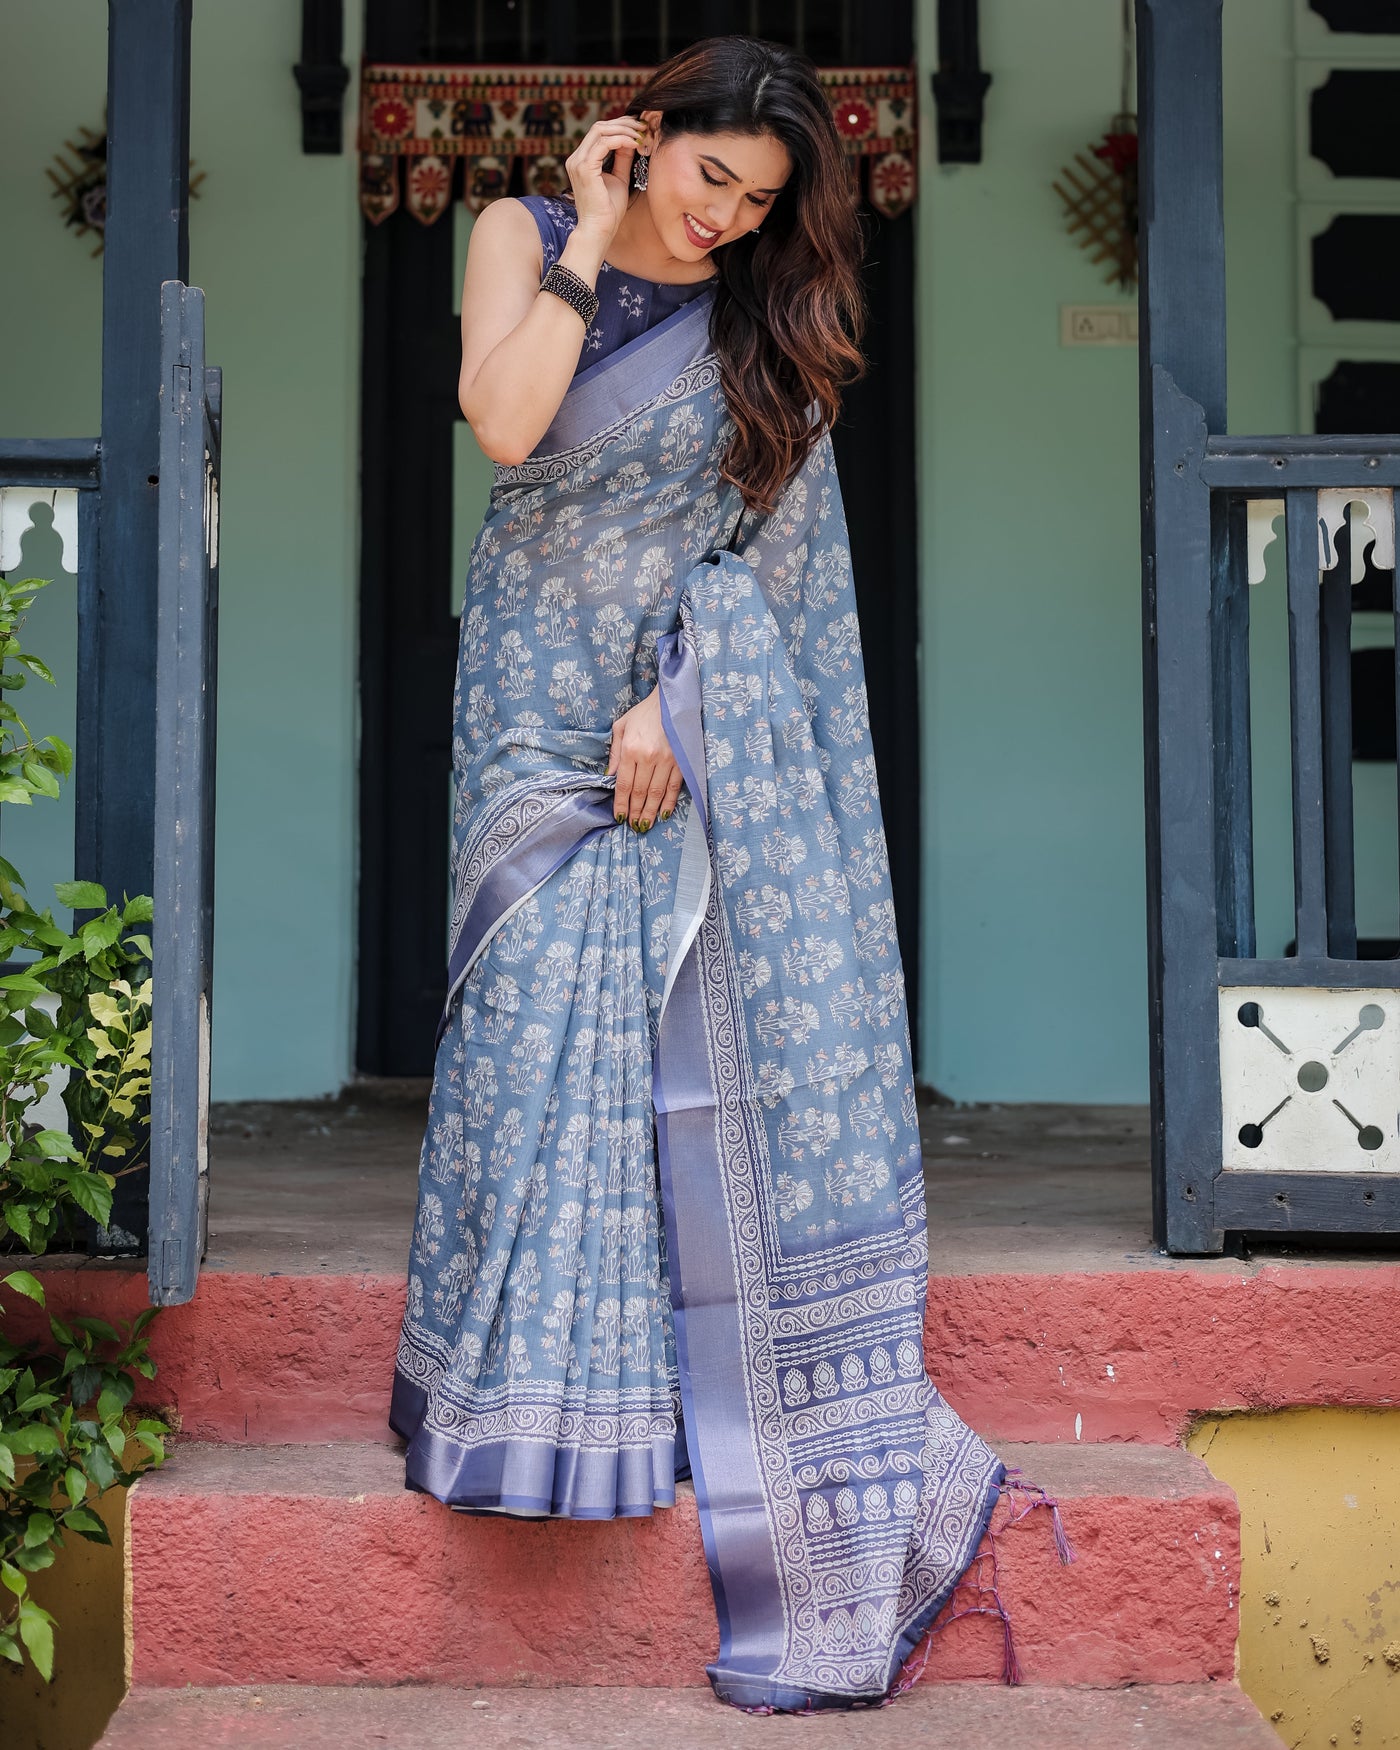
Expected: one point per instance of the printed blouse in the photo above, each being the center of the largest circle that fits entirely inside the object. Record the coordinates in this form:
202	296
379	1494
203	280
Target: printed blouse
627	304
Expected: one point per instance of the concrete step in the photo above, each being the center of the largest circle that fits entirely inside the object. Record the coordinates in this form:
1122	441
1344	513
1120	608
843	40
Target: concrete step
313	1565
1128	1354
954	1716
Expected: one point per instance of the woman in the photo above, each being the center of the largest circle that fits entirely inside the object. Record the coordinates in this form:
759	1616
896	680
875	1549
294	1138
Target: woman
671	1207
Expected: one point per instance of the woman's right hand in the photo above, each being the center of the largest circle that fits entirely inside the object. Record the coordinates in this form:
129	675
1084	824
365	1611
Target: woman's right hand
601	198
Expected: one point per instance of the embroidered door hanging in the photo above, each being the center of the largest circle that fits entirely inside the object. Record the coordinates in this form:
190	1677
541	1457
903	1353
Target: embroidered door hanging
416	122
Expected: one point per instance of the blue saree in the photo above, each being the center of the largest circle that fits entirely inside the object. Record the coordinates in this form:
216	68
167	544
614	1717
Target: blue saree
671	1206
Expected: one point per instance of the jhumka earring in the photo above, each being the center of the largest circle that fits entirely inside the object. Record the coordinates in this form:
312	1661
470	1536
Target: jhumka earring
639	171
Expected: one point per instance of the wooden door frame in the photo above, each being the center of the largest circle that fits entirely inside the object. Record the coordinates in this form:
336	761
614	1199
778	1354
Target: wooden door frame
408	641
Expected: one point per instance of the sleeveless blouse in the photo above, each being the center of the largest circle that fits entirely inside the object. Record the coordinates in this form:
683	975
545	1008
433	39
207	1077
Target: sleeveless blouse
627	304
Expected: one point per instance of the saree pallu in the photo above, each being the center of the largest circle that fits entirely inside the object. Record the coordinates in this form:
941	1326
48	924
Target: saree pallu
713	1011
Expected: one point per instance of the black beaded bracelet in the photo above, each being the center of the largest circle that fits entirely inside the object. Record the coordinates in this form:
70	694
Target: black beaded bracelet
576	292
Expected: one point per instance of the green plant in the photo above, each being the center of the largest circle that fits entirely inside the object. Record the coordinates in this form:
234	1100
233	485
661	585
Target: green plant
73	1006
66	1436
77	1001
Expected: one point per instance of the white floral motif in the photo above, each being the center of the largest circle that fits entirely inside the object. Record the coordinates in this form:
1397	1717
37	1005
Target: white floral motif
789	1021
908	1358
555	975
763	910
605	559
795	1386
455	1278
838	649
528	1057
513	660
625	487
824	1381
563	535
752	636
501	1003
555	616
733	695
853	1376
683	437
512	589
792	1196
814	961
430	1227
818	1514
842	1065
811	1131
858	1179
569	690
755	971
733	863
773	1082
823	896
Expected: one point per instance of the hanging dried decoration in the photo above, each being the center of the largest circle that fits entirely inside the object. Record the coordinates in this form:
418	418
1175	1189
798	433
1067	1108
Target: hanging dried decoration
80	184
1100	188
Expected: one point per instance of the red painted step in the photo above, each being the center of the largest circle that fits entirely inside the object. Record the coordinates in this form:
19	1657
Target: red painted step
313	1565
1207	1716
1082	1355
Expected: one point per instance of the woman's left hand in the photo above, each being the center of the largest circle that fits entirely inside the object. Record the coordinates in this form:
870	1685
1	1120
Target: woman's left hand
648	778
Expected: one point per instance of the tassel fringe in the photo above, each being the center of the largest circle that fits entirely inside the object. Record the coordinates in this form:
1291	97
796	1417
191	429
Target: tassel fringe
978	1592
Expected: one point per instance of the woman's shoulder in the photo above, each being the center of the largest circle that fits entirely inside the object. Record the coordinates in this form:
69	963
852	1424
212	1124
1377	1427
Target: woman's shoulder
554	218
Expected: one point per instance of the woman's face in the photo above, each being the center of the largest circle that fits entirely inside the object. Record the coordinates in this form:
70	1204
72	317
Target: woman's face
707	189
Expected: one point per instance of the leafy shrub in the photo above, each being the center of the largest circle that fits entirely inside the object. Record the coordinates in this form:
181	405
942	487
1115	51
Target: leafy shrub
77	1001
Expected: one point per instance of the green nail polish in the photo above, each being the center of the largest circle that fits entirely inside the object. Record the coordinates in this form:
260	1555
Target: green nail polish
666	813
620	818
645	826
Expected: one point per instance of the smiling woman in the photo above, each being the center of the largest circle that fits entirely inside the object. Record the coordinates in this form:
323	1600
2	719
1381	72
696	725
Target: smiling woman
671	1205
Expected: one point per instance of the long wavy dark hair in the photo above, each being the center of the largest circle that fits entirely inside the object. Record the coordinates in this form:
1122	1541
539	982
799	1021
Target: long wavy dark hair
789	312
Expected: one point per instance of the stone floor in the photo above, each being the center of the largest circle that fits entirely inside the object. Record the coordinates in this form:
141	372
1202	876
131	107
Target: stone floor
943	1717
1042	1188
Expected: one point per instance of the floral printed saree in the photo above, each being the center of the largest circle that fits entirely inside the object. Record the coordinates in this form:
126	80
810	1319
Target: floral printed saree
671	1208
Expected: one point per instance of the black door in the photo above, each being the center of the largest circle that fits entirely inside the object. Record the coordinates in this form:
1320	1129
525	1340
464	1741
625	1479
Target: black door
411	357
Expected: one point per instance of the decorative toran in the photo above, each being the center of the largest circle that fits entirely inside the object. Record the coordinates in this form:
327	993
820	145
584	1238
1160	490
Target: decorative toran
415	122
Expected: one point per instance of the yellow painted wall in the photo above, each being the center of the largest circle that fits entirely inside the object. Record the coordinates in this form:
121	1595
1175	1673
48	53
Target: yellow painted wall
84	1591
1320	1585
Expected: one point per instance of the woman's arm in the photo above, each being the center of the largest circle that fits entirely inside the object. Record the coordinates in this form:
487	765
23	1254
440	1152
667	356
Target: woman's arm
520	346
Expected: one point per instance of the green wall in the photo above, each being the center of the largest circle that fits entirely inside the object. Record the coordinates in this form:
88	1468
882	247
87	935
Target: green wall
1034	983
1031	642
274	240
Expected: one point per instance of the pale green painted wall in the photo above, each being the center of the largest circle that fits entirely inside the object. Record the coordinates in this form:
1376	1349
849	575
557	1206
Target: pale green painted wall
274	240
1034	987
1031	647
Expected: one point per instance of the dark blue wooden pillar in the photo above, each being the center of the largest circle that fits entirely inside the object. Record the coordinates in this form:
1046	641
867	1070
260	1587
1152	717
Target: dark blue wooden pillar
147	242
1182	382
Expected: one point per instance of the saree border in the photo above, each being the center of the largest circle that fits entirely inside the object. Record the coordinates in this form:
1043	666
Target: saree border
676	350
519	844
771	1651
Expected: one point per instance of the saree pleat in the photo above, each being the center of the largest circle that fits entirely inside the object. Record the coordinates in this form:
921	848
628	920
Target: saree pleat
543	1386
672	1204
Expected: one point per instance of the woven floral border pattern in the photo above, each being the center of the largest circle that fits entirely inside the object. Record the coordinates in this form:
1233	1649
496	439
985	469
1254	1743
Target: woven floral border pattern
416	122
